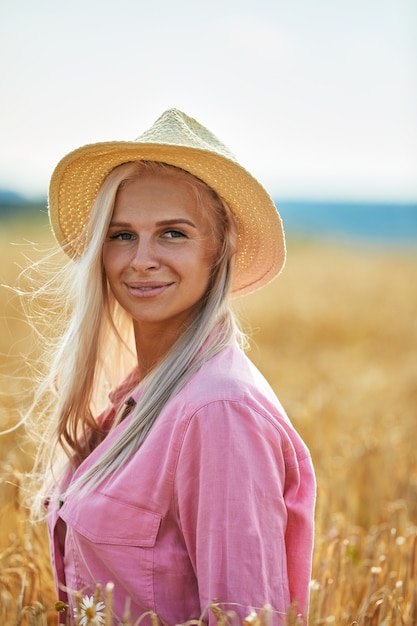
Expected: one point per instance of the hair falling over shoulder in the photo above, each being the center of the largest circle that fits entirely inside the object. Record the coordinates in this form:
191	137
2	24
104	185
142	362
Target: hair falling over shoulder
91	349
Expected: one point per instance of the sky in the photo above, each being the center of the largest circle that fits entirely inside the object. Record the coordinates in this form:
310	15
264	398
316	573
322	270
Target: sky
316	98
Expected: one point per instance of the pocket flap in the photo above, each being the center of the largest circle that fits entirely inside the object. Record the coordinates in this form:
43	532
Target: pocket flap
104	519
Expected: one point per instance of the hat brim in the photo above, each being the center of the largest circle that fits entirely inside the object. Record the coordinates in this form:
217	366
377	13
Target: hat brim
78	177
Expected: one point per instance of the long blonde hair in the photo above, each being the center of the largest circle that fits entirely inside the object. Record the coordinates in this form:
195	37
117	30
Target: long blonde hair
98	346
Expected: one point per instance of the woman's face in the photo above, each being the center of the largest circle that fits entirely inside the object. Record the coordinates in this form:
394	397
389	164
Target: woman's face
158	253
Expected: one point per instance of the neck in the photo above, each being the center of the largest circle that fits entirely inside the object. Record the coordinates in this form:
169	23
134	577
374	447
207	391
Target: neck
155	340
152	346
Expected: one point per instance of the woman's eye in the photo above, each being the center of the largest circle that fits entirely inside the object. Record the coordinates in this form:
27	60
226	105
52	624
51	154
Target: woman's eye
174	234
121	237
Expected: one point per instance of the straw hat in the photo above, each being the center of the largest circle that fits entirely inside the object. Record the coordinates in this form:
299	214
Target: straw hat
178	140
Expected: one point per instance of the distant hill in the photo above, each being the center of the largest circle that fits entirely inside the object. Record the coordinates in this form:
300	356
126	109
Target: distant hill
15	205
8	196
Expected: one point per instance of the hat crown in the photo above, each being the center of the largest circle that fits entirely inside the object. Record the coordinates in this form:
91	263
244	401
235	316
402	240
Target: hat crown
176	128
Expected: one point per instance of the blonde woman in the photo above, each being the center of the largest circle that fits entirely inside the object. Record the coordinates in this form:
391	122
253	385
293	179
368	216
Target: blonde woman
191	486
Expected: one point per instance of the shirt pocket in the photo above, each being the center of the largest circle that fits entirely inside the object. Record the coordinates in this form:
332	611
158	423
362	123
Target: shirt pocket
112	540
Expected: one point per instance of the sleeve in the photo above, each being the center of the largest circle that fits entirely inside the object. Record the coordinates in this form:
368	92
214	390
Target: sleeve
230	495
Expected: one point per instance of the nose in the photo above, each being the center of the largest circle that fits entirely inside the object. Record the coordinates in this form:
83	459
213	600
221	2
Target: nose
145	256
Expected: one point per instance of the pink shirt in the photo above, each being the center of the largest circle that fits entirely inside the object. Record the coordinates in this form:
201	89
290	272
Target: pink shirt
217	504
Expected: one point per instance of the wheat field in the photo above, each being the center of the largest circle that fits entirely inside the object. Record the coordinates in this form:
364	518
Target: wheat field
336	335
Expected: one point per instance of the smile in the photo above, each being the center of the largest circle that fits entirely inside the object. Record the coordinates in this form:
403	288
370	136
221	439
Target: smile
147	291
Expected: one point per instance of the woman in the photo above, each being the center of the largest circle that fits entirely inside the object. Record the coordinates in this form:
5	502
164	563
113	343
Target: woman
192	486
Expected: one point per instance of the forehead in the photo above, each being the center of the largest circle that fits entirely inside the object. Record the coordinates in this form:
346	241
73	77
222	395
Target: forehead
154	180
168	192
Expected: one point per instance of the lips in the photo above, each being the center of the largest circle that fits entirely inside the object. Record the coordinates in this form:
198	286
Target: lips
147	290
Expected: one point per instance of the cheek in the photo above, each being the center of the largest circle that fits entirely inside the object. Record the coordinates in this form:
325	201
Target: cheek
105	255
111	262
206	263
211	256
106	266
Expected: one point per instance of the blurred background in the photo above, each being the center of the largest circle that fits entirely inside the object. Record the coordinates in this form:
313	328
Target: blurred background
317	99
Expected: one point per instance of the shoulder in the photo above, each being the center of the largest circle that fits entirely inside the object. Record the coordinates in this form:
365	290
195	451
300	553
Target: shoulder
229	375
229	397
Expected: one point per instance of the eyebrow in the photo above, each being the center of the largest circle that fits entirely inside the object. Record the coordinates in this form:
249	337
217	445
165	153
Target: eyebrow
170	222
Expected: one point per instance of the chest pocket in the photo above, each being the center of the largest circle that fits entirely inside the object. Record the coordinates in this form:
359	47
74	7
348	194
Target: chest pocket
104	519
108	539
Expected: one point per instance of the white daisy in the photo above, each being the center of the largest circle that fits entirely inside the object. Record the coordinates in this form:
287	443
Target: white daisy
90	612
